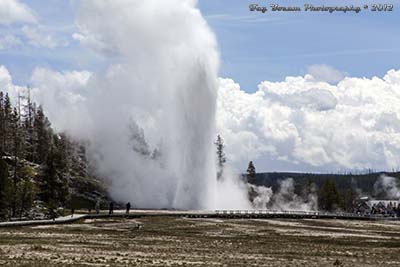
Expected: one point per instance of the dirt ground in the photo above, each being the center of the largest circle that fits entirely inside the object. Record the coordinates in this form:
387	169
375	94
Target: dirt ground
169	241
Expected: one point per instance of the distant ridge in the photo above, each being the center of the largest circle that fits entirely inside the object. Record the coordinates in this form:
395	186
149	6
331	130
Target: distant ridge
363	182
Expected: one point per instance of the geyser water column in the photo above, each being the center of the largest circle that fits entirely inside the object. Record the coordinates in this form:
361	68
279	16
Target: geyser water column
163	81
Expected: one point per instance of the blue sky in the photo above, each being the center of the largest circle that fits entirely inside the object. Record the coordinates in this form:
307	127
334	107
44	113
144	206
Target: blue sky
271	46
254	46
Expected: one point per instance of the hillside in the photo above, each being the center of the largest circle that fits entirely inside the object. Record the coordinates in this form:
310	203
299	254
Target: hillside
42	171
83	189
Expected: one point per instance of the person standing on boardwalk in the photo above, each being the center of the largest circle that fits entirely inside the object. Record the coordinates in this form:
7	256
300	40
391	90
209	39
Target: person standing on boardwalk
97	206
111	210
128	207
72	212
52	214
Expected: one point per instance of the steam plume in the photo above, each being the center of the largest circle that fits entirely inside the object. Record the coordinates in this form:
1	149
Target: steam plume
284	198
387	187
150	116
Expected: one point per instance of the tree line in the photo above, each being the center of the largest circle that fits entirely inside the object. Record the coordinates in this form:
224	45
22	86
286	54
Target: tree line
330	198
36	163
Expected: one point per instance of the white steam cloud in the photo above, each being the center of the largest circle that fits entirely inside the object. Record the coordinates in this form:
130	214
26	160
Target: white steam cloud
232	192
13	11
151	116
284	198
388	187
263	196
287	199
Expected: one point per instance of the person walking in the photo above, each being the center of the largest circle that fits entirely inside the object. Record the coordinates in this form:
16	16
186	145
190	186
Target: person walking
111	210
52	214
72	212
128	207
97	206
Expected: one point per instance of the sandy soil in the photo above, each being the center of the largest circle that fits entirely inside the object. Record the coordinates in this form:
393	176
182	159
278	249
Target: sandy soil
169	241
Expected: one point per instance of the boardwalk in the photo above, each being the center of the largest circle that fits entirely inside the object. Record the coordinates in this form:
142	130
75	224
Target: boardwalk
223	214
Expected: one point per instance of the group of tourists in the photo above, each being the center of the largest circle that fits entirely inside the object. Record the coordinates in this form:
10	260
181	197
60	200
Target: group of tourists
111	207
52	214
390	209
384	208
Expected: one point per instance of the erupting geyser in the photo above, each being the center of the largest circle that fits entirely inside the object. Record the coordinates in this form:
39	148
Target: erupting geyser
150	116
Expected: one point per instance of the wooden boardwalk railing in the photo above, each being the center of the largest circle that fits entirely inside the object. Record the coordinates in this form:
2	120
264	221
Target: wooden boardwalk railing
222	214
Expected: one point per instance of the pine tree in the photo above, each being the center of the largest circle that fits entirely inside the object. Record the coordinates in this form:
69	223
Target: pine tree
26	191
16	138
61	144
220	156
79	163
251	173
53	185
7	125
61	160
4	188
138	140
48	182
251	180
349	200
43	134
29	117
329	197
2	121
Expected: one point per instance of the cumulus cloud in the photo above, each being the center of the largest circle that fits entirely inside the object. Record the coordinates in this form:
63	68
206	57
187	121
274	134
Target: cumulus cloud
38	38
13	11
5	78
9	41
303	123
325	73
87	39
